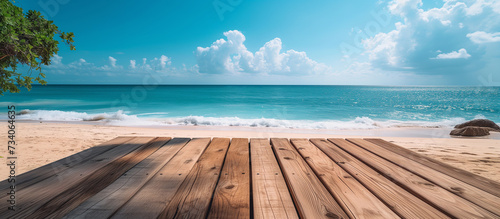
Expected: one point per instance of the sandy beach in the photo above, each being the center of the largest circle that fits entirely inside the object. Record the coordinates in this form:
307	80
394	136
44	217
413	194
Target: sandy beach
252	110
43	143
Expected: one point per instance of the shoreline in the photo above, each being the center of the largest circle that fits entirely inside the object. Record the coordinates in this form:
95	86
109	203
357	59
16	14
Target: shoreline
40	143
406	132
351	126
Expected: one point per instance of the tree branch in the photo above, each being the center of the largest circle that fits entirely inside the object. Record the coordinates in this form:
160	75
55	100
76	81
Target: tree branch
4	56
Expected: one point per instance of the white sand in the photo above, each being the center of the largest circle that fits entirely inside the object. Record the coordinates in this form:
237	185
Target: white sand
43	143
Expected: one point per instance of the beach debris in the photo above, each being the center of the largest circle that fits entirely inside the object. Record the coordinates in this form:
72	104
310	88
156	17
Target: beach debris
471	131
485	123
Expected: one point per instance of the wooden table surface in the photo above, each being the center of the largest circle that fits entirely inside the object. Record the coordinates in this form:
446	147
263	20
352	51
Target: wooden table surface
163	177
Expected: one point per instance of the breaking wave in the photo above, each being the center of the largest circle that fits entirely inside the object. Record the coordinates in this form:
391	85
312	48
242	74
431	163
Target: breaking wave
120	118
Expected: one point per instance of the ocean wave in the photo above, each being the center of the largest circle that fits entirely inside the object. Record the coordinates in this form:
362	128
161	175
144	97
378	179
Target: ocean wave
120	118
358	123
57	115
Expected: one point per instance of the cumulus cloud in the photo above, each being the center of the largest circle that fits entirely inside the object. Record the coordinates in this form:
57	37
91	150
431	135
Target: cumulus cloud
412	44
76	67
483	37
132	64
478	6
164	60
230	55
112	62
157	64
56	60
461	54
112	66
160	63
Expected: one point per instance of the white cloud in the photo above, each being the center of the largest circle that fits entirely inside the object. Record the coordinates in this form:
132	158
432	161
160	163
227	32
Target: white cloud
461	54
56	60
230	55
132	64
164	60
477	7
79	63
157	63
112	62
112	65
483	37
405	8
76	67
413	43
161	64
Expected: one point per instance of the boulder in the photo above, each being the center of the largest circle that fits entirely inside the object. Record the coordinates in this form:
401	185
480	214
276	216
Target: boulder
470	131
480	123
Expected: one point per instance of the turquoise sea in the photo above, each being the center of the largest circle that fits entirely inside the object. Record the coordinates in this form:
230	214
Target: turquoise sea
308	107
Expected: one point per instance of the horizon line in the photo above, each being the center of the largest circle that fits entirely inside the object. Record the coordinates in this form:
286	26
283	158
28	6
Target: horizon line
263	85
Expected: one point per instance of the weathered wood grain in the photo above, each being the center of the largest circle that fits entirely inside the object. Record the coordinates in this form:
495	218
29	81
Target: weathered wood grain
398	199
455	186
356	200
150	200
480	182
110	199
311	198
95	182
444	200
134	177
34	196
271	198
34	176
232	194
192	199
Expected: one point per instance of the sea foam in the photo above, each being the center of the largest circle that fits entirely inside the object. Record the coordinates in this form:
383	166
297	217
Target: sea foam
57	115
120	118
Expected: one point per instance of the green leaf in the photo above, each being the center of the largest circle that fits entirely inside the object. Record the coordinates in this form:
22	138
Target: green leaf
28	39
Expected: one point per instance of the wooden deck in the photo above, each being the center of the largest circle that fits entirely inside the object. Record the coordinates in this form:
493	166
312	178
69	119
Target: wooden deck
147	177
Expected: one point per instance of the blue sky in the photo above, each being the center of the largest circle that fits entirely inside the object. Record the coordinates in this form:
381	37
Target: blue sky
399	42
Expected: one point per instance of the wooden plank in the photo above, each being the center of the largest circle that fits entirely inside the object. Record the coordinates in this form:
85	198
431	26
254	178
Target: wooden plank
398	199
311	198
107	201
232	194
271	198
150	200
34	196
480	182
446	201
192	199
464	190
72	197
34	176
356	200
